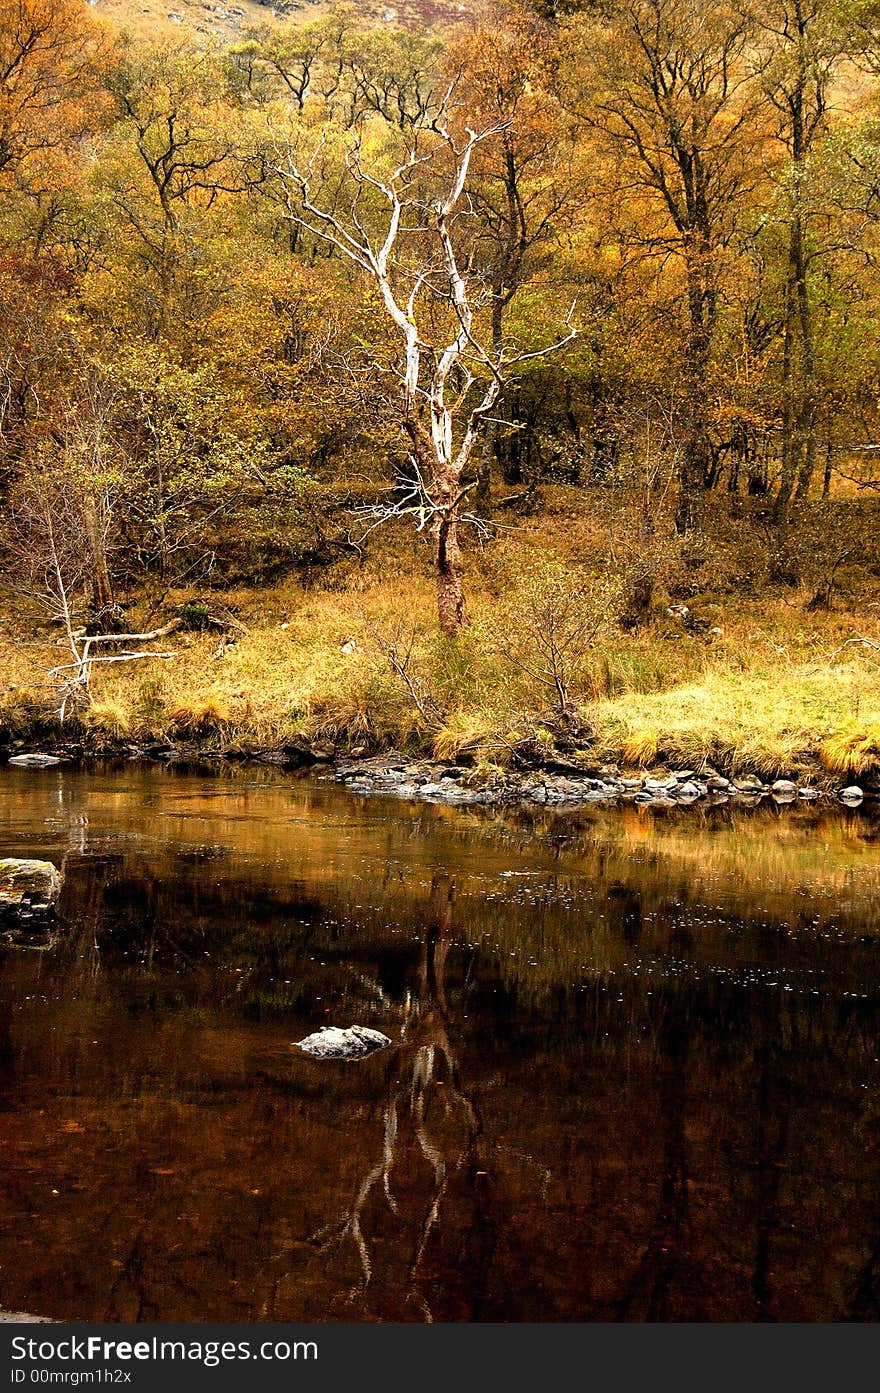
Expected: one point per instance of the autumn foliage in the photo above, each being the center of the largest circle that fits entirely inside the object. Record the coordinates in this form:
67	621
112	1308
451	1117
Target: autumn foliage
658	273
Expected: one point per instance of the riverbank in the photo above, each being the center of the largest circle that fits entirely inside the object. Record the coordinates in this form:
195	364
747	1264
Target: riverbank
720	676
560	783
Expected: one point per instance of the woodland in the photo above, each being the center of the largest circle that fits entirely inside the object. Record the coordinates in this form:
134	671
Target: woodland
489	384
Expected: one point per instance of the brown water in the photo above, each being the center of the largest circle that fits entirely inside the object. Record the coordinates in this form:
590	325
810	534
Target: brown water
634	1073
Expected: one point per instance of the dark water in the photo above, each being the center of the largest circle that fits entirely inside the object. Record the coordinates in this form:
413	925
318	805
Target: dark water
634	1073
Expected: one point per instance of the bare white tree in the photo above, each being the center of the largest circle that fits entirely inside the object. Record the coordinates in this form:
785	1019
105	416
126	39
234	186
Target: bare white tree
410	230
57	523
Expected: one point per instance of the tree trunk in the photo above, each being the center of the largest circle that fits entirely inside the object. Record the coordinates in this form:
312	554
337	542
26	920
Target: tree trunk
511	450
483	492
787	451
798	436
449	568
696	456
690	512
807	414
800	463
445	492
829	457
102	589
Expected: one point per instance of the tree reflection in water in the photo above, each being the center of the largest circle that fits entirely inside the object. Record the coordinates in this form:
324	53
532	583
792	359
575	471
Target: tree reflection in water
667	1257
425	1095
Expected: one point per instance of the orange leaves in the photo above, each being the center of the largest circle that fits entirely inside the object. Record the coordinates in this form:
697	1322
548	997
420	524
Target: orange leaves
49	54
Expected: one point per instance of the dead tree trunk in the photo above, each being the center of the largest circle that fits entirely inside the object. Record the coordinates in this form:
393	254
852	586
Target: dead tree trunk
453	370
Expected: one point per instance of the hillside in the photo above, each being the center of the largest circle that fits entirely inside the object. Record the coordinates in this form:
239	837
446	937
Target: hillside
227	21
553	433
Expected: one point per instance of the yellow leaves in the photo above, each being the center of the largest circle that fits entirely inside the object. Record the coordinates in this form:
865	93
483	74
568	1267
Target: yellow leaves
49	93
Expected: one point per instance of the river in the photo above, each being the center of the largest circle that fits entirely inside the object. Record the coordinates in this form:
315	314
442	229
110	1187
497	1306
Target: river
632	1073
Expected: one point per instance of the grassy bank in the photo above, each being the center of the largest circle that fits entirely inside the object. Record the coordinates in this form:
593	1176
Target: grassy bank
750	679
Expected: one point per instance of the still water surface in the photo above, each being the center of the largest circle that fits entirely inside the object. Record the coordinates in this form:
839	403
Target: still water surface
635	1071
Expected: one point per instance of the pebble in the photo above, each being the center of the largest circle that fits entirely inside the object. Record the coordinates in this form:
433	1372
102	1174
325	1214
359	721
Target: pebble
783	786
687	790
330	1042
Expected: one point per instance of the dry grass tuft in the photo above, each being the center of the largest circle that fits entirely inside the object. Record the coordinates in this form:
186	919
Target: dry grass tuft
205	716
364	707
109	715
22	712
465	733
851	751
640	748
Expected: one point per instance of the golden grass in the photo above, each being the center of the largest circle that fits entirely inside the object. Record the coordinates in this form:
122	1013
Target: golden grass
110	715
852	751
772	718
764	696
466	733
640	748
21	711
200	716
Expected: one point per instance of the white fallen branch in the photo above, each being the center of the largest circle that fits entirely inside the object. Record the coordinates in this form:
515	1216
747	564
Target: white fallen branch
863	642
81	644
113	658
88	639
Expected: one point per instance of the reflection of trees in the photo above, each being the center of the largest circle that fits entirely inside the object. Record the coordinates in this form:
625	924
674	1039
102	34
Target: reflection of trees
625	912
666	1258
865	1303
774	1102
128	1299
425	1098
603	1113
668	1282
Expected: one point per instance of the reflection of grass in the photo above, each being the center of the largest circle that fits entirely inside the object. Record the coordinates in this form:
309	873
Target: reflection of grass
813	882
365	868
823	858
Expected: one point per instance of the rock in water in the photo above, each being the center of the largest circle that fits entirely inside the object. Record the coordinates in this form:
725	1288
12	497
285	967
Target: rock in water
330	1042
34	761
28	886
783	787
687	792
853	794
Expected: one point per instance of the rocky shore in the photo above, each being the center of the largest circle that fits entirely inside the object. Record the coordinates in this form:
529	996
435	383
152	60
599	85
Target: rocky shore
572	786
559	782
